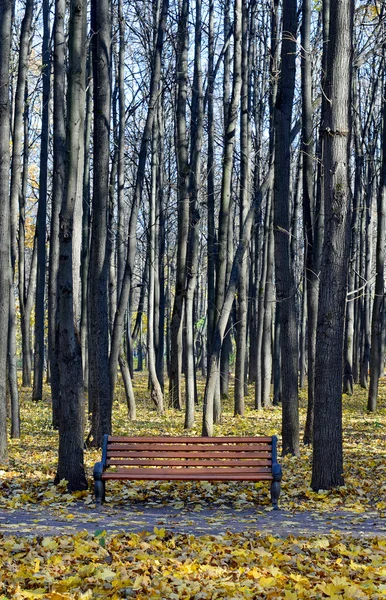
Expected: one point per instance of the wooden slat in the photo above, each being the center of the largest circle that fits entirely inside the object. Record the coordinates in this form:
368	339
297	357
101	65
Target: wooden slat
183	463
192	455
160	448
191	440
192	470
188	475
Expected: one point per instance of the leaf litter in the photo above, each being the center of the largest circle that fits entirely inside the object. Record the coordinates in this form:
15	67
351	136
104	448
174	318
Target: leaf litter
307	556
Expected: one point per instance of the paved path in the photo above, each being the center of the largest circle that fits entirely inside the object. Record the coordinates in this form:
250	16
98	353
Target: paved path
45	521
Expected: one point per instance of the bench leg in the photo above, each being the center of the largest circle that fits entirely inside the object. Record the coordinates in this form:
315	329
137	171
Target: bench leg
275	493
99	491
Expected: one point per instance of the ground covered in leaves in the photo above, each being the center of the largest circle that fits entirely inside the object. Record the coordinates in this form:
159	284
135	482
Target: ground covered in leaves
170	562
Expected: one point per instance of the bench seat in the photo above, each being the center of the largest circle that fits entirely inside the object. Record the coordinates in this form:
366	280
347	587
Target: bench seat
188	459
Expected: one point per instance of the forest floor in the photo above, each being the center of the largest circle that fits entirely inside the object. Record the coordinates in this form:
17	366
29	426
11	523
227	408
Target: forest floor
195	540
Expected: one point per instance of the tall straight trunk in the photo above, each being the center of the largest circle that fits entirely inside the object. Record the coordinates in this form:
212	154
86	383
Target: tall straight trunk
327	467
264	353
376	362
72	401
194	216
123	300
98	349
161	255
155	388
86	223
303	337
5	50
58	183
269	298
284	276
37	392
231	110
211	245
183	207
310	215
367	259
260	304
348	379
25	307
121	151
241	331
15	193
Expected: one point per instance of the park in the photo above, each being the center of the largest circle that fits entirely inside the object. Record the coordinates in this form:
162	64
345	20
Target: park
192	299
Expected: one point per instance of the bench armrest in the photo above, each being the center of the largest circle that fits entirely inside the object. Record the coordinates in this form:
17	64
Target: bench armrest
277	472
98	470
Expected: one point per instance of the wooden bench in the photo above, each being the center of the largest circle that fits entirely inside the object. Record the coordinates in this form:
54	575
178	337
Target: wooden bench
188	459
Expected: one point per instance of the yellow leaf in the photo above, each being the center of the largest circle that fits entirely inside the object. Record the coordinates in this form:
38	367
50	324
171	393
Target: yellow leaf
266	581
105	574
49	544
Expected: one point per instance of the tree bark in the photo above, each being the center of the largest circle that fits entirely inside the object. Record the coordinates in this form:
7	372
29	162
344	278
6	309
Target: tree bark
15	193
5	50
376	362
72	401
241	330
58	183
310	215
285	284
183	208
39	353
194	217
327	467
99	381
155	387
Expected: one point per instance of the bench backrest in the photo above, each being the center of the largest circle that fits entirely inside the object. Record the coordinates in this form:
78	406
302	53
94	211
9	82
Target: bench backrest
258	453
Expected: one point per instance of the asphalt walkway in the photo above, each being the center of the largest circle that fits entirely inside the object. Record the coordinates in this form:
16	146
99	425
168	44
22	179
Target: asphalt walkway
282	523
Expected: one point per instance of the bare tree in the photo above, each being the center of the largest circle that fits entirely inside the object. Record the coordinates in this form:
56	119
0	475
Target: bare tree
98	348
285	283
327	468
37	392
72	401
5	50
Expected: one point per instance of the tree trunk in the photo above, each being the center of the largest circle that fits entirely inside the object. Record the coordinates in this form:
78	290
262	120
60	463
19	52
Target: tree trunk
161	256
194	217
5	49
58	183
241	331
99	381
72	402
86	223
310	215
183	208
155	388
327	467
284	276
15	194
231	110
37	393
269	299
211	244
376	362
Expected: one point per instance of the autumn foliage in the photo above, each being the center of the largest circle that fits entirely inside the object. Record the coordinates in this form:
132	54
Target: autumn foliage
159	562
